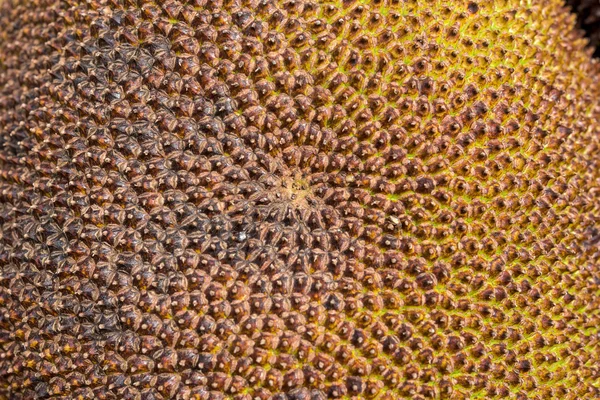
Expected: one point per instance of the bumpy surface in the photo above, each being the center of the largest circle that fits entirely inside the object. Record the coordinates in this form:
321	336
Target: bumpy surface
295	199
588	19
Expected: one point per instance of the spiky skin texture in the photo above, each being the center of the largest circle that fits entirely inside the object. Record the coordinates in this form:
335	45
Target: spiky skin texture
588	19
298	200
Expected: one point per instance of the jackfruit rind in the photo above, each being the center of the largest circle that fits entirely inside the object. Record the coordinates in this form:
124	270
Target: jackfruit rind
588	19
298	200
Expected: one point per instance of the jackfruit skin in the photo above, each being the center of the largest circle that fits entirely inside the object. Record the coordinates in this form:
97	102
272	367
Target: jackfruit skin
298	200
588	19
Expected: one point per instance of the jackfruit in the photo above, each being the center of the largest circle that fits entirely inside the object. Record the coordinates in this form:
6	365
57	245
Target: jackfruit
298	199
588	19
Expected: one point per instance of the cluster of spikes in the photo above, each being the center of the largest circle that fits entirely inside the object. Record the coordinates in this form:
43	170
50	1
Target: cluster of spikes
588	19
298	200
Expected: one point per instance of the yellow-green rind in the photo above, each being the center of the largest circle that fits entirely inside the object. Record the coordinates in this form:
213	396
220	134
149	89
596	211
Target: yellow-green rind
298	200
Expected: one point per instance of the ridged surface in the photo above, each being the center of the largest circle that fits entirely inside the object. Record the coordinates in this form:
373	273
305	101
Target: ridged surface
298	200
